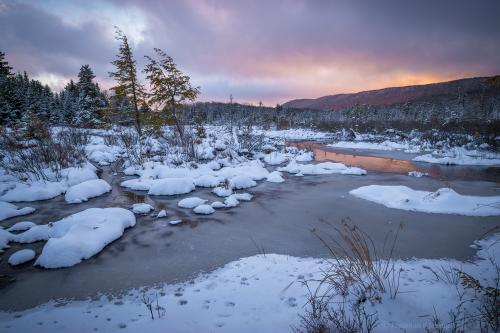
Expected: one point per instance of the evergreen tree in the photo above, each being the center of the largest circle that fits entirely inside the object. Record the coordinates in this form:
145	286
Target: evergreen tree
128	86
170	87
5	69
69	103
90	99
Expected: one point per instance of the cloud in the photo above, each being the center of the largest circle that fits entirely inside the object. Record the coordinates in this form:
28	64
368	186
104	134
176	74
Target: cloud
264	50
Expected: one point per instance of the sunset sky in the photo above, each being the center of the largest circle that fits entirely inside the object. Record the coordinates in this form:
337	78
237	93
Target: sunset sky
256	50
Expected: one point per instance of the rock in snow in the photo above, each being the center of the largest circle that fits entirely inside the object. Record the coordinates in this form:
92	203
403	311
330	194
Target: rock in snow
8	210
444	200
172	186
86	190
21	256
204	209
79	236
191	202
142	208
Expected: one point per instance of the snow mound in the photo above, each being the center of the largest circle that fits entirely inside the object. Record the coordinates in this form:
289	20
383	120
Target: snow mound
275	158
208	181
222	191
141	208
171	186
217	204
305	157
241	182
324	168
444	200
21	226
275	177
86	190
137	184
21	256
81	235
460	156
34	191
234	199
5	238
161	214
386	145
203	209
191	202
8	210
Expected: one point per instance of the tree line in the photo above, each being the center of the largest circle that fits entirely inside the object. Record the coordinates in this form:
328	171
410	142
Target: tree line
84	104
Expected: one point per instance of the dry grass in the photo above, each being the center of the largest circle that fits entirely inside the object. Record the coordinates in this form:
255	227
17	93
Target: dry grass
358	273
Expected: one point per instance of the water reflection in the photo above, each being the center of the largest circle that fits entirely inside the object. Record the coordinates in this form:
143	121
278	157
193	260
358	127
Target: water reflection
386	164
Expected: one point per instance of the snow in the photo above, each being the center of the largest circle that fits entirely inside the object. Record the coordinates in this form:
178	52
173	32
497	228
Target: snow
191	202
323	168
234	199
44	190
21	256
8	210
385	145
175	222
217	204
275	177
208	181
80	236
142	208
222	191
137	184
162	213
204	209
34	191
275	158
102	154
86	190
417	174
305	157
172	186
21	226
242	182
262	293
444	200
460	156
5	238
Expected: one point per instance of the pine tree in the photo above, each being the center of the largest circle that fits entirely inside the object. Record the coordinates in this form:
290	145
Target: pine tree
126	75
90	100
5	69
170	87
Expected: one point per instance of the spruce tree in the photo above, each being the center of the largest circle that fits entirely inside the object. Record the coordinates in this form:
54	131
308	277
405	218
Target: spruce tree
128	86
90	100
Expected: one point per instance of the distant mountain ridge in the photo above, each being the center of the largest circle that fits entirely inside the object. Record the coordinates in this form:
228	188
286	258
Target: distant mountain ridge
390	96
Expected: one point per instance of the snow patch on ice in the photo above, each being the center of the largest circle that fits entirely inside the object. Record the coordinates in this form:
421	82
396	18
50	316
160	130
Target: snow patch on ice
444	200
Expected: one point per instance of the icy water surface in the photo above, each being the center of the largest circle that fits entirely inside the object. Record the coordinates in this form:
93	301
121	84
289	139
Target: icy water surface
278	220
397	162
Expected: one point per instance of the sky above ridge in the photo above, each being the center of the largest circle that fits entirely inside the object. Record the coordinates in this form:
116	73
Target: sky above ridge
270	51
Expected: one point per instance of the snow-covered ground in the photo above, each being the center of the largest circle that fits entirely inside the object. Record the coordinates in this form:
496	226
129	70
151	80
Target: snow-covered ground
267	293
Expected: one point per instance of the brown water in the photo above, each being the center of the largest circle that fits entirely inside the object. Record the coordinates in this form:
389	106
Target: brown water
364	159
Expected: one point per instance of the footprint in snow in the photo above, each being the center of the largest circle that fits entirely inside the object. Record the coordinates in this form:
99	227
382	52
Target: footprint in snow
230	304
